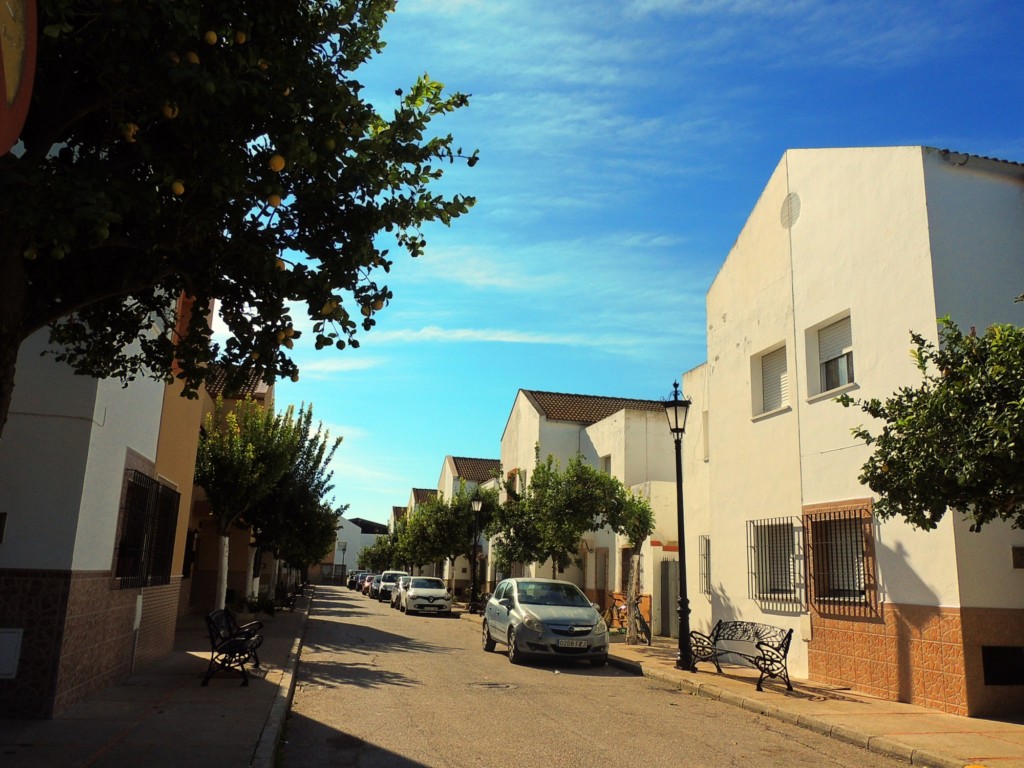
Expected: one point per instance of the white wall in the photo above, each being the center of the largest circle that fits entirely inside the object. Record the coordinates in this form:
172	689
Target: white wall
62	461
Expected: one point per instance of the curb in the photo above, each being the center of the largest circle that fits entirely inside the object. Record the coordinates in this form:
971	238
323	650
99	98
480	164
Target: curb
879	745
270	736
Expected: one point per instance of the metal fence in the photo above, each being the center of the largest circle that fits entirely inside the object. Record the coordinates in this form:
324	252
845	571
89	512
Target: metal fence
149	516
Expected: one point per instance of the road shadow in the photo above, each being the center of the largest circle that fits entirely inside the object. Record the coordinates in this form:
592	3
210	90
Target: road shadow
313	744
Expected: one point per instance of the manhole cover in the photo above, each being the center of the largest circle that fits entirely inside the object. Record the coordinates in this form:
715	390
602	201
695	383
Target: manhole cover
493	686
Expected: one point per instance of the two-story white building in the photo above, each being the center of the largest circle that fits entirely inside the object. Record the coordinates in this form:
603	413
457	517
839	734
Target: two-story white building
627	438
845	253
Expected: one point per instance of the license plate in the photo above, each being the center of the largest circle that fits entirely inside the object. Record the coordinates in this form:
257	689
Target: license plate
572	643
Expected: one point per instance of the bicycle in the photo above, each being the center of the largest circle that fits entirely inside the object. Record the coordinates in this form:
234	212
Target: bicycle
616	616
643	629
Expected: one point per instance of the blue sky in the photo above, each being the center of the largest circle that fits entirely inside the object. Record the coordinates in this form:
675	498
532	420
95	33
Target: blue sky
622	146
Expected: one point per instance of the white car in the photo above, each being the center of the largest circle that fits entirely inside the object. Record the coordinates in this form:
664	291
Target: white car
400	587
426	594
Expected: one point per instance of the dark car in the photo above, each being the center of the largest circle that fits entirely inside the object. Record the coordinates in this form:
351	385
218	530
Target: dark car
373	587
353	579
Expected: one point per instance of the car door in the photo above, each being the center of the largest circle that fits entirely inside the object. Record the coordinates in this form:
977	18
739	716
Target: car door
496	615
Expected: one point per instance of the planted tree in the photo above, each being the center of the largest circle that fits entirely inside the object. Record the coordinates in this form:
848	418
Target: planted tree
220	150
294	521
243	452
956	440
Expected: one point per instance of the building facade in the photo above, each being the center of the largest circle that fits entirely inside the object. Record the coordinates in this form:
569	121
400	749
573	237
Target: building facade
845	253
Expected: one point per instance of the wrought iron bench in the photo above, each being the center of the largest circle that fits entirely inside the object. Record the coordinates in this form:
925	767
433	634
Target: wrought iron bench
232	646
768	655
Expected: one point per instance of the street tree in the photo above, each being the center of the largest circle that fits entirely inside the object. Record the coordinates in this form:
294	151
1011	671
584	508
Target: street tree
243	452
450	525
295	521
558	507
956	439
221	151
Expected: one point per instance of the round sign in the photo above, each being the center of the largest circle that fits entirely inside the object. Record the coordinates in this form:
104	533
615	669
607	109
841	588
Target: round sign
17	67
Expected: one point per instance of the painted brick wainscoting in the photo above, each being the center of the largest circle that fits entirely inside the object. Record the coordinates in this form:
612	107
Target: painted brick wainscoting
919	654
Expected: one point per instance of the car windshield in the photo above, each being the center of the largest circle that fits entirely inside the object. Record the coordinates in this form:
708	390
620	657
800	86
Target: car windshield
541	593
426	584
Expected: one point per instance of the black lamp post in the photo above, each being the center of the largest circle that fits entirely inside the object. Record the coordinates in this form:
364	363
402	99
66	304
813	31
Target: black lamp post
344	569
676	411
477	504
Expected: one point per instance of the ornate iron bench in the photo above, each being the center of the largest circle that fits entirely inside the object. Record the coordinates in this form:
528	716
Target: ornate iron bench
232	646
768	655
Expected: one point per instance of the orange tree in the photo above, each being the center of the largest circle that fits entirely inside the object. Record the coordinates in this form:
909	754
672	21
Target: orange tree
953	441
219	149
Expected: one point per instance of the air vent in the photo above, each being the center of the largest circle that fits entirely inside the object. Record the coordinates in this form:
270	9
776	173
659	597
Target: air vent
790	210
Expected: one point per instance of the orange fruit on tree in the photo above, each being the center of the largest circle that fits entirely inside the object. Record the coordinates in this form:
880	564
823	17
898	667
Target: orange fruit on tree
170	110
274	200
192	57
276	163
240	37
178	187
211	37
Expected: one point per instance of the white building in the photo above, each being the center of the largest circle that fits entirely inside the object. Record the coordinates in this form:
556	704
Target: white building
629	439
845	253
468	474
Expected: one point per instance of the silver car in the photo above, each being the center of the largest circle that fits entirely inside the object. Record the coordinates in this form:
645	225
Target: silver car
544	618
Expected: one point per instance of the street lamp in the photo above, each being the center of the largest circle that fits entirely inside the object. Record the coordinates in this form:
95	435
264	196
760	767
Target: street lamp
344	569
477	504
676	411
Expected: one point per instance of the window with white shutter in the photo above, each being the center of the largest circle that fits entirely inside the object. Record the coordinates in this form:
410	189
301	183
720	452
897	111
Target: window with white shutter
774	380
835	355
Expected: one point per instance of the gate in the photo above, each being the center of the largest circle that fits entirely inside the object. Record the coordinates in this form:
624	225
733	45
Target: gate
669	599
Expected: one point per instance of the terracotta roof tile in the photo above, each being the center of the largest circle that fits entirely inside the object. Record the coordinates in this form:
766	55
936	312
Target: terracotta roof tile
586	409
420	495
476	470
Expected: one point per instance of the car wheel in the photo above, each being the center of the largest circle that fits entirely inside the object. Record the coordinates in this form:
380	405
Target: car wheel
489	643
513	652
600	661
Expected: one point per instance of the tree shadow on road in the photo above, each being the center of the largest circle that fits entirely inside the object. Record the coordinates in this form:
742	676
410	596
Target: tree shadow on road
312	744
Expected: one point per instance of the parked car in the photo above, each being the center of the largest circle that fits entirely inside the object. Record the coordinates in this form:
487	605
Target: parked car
354	578
427	594
387	583
544	618
400	587
373	587
364	585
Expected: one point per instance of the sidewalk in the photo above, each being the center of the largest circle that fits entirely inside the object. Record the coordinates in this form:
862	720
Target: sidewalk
915	734
163	718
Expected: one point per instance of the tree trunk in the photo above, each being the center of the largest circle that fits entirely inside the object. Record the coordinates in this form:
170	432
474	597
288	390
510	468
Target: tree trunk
249	567
222	572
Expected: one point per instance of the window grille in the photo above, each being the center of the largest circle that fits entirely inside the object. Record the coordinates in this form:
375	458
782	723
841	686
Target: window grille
704	558
835	355
841	566
774	381
773	569
149	516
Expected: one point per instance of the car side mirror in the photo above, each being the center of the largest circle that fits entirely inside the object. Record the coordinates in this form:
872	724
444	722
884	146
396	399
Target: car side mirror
596	607
506	603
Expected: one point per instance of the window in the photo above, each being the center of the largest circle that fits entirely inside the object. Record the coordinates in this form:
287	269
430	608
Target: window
606	464
835	355
774	380
704	559
149	515
841	565
772	563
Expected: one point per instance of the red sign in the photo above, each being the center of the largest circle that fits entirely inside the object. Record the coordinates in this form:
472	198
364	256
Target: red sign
17	67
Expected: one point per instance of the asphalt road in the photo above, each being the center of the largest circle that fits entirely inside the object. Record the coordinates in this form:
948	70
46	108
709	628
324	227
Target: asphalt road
379	688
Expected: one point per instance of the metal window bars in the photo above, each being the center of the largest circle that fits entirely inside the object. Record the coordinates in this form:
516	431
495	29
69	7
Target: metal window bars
704	560
841	565
149	515
775	563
